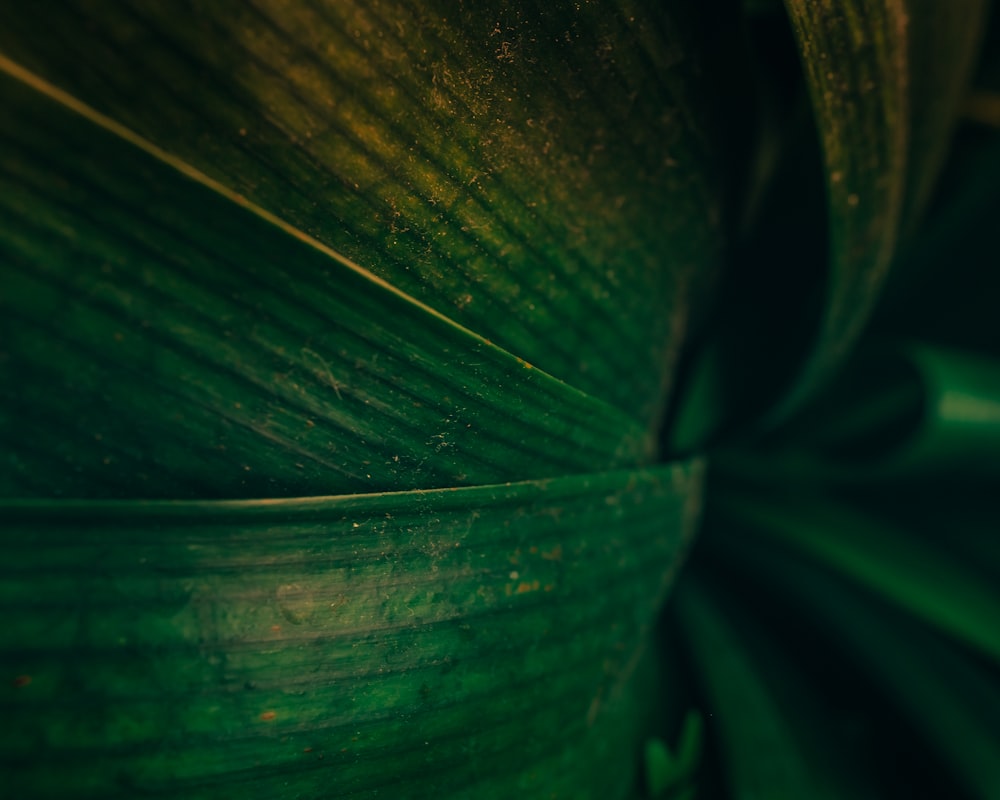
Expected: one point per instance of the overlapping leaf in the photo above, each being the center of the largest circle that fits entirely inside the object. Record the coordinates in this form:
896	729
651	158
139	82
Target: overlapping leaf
475	641
163	340
546	177
257	250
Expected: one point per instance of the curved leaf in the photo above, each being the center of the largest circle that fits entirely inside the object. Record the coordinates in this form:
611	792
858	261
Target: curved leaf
422	644
857	68
904	412
885	78
163	337
920	576
544	176
959	424
945	41
954	703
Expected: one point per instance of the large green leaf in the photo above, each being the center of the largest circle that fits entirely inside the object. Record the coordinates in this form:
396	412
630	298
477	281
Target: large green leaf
477	642
547	177
264	250
259	251
164	338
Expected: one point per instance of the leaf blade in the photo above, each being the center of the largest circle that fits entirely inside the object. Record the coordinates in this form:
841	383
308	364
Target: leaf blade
857	68
275	647
268	347
458	174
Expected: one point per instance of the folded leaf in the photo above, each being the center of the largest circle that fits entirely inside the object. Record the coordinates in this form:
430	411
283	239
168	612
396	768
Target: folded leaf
856	61
886	79
470	642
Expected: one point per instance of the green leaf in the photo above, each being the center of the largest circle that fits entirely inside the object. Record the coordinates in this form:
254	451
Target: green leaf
952	700
900	412
886	78
855	58
669	775
660	767
422	644
762	746
549	179
165	338
958	423
921	576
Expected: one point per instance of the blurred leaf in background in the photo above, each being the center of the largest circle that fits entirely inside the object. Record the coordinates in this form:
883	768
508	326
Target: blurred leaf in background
848	555
360	365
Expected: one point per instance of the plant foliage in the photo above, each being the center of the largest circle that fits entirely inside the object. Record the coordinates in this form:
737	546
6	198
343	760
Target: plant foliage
369	370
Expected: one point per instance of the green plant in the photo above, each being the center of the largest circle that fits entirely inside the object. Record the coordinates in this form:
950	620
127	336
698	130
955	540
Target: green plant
361	368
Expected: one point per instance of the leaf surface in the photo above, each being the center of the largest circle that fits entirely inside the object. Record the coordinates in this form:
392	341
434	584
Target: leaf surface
545	177
474	642
163	337
885	78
